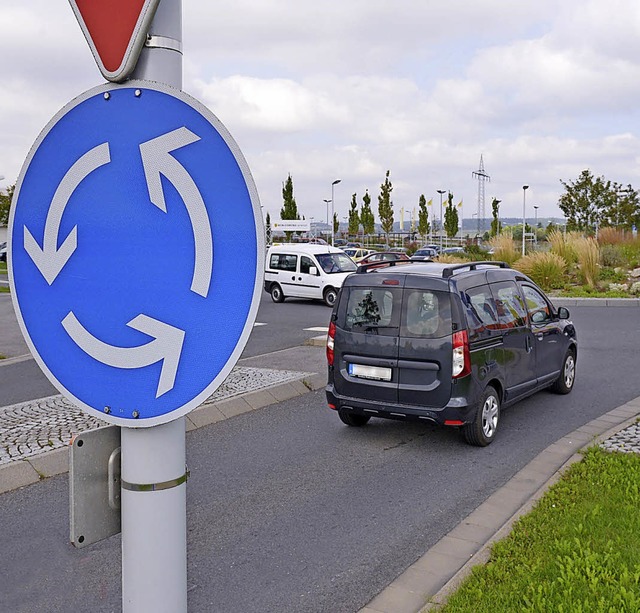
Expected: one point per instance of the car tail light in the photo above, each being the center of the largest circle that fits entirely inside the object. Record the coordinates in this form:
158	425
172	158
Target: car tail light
330	336
461	355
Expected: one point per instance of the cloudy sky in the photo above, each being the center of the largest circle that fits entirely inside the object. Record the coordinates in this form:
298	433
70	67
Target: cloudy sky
348	89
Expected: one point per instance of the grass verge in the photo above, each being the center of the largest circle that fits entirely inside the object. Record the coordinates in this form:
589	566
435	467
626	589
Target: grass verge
577	551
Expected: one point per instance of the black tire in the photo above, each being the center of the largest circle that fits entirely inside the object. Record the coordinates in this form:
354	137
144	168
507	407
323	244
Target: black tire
352	419
276	293
330	296
564	383
482	430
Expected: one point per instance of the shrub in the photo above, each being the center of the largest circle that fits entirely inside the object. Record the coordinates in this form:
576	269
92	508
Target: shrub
611	255
588	260
447	258
610	236
563	245
504	249
545	268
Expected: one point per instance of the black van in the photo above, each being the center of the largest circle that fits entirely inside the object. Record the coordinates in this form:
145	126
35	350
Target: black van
447	344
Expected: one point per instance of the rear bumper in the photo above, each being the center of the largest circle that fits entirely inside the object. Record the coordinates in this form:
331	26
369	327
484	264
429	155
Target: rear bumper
456	410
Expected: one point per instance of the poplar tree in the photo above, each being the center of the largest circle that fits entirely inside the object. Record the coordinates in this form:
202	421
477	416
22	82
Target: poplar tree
451	218
366	214
385	206
354	218
423	218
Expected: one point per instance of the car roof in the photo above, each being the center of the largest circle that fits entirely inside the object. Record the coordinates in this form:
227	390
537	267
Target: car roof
438	269
304	248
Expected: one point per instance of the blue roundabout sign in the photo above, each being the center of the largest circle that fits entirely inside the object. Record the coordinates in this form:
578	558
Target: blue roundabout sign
136	252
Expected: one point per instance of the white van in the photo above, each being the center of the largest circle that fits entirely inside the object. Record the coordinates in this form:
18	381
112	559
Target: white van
306	271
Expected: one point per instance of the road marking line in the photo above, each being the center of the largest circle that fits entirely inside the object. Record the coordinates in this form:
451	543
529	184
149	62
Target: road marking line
258	324
318	329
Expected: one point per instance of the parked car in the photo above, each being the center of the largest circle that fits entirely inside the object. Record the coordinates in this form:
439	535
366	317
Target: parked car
3	251
399	250
306	271
382	256
426	253
353	244
453	250
339	242
446	344
357	253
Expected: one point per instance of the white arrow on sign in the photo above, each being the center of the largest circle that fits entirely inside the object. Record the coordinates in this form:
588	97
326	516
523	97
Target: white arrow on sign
157	160
49	259
166	346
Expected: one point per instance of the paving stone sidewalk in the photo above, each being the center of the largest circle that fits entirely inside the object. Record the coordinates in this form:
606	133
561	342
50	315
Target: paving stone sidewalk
30	428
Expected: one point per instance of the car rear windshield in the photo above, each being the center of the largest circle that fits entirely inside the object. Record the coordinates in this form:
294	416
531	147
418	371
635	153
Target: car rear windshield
336	262
424	313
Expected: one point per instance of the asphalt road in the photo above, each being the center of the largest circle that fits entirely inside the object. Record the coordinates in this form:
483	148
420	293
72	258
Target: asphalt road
279	326
289	510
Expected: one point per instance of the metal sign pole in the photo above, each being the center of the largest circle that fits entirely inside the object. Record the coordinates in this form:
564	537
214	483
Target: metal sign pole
154	509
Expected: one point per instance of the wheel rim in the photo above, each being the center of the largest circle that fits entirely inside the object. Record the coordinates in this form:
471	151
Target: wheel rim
275	293
569	371
331	298
490	416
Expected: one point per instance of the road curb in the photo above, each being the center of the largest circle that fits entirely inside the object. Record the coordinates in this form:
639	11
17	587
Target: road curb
427	584
26	471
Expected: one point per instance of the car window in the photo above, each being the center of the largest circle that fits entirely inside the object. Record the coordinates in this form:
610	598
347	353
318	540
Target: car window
426	314
512	312
305	264
537	306
373	310
482	315
336	262
283	261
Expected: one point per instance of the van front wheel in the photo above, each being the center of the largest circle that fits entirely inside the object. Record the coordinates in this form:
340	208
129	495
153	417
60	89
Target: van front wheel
483	428
276	293
330	296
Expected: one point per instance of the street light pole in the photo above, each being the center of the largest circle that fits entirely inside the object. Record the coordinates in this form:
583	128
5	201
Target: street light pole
441	191
524	223
333	210
327	202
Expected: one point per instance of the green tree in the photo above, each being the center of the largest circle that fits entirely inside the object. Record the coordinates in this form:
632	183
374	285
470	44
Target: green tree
267	228
354	218
290	208
366	215
423	218
496	226
5	204
385	206
585	201
336	223
622	209
451	218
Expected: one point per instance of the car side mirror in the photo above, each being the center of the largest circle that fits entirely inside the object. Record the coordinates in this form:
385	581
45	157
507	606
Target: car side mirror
563	313
313	271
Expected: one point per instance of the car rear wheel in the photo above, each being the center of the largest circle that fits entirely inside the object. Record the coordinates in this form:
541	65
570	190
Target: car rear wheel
330	296
564	383
276	293
351	419
483	429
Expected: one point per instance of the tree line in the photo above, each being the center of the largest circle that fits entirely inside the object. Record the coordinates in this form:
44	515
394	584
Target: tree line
587	203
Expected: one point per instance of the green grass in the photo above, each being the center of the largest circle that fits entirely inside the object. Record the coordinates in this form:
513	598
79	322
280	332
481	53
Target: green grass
577	551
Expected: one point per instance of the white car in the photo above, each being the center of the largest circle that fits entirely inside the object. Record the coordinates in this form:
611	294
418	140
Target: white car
306	271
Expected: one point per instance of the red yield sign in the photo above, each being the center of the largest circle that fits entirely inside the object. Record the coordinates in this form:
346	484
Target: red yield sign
116	31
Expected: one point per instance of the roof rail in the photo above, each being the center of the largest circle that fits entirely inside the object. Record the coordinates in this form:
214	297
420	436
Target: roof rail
384	264
450	270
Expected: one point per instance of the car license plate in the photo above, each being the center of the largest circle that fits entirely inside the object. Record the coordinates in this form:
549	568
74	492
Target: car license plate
370	372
